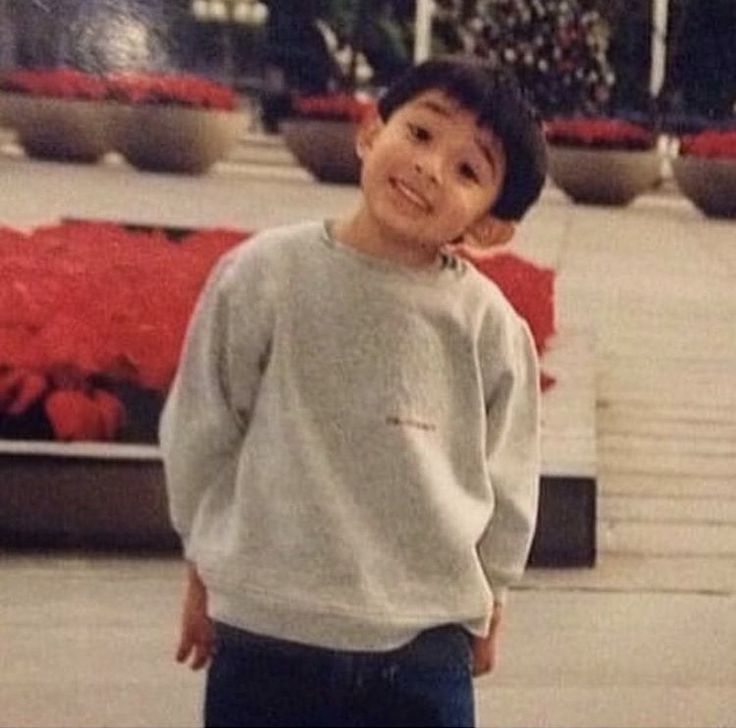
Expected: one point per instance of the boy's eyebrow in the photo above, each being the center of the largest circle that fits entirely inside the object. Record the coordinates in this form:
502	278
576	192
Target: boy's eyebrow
486	153
437	107
443	110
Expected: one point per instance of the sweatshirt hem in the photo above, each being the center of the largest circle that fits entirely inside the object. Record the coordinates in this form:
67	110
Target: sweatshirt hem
340	631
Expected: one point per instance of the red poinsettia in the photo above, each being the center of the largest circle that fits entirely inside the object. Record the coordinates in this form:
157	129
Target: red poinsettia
529	289
84	415
159	88
20	389
713	143
598	133
63	83
181	89
70	315
335	107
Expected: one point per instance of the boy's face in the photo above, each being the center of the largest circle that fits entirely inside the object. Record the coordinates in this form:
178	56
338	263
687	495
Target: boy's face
430	173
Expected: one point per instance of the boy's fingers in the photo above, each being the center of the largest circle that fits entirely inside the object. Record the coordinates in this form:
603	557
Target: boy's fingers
198	652
202	652
484	656
199	662
187	643
482	664
184	649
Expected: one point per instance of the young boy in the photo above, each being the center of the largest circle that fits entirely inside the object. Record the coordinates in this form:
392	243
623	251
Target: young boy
351	441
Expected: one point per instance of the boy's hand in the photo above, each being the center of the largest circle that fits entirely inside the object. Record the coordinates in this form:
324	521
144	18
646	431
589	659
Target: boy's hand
196	629
485	649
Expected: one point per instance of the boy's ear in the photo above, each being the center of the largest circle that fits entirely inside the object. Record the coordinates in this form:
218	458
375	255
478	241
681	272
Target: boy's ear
368	130
490	231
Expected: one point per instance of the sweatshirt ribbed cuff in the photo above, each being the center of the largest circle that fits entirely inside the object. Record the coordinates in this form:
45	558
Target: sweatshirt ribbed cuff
186	546
500	593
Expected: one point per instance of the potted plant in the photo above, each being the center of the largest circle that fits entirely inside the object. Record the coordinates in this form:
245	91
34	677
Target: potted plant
58	113
353	44
174	122
321	134
599	160
705	170
163	122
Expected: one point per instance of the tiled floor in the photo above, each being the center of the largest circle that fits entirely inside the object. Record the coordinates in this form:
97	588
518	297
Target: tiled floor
90	641
647	638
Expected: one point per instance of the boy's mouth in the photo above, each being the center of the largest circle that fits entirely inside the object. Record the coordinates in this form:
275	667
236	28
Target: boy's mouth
410	194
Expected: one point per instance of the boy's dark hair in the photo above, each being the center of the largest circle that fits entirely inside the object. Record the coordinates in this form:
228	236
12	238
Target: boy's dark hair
497	100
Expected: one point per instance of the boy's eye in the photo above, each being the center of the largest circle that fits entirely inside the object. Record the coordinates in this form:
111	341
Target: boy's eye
468	172
419	133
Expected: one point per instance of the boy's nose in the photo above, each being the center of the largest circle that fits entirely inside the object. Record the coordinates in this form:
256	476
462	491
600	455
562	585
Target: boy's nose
429	167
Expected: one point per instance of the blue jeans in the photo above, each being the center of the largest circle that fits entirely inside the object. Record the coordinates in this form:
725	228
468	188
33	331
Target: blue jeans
261	681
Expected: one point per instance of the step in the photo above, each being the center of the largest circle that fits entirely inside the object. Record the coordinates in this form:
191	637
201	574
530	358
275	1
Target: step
664	509
663	524
676	485
667	539
622	457
262	149
626	572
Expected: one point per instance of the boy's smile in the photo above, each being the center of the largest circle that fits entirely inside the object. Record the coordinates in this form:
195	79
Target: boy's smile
414	198
430	173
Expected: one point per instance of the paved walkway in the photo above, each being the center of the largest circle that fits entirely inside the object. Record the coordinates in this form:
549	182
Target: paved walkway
645	639
90	642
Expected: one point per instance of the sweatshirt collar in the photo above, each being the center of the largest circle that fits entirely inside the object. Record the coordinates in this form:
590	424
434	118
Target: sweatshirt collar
448	267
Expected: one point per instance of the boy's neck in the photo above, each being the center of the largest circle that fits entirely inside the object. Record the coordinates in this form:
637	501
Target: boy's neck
359	233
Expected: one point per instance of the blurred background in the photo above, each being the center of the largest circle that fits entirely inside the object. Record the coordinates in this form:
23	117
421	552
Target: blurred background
675	58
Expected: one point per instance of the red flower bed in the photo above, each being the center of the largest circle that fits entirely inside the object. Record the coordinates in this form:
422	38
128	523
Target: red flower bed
61	83
714	143
529	289
598	133
87	302
179	89
85	307
135	88
335	107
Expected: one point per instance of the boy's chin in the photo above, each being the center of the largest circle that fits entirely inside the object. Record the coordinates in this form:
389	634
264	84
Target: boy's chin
415	234
417	240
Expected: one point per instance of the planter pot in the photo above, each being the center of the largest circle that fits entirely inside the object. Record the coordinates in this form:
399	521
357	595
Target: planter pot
709	183
83	496
326	148
67	130
175	139
604	176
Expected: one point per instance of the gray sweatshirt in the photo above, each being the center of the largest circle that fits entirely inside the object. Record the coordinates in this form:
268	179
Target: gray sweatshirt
351	446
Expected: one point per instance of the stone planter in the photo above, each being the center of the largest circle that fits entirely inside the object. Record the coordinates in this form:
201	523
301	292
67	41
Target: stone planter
710	184
83	495
176	139
326	148
67	130
604	176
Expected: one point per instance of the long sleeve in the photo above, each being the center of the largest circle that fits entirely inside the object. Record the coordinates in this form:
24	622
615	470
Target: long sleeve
205	417
513	461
